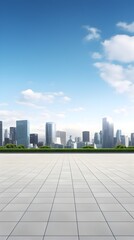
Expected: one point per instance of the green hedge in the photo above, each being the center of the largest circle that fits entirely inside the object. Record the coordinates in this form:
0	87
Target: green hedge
67	150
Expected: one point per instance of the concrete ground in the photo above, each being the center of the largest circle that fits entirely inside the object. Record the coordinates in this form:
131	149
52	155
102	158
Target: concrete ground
67	196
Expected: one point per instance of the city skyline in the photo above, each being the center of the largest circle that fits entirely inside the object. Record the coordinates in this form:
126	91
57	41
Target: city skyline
51	134
59	62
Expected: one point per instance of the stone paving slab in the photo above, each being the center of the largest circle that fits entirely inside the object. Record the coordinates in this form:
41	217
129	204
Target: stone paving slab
66	196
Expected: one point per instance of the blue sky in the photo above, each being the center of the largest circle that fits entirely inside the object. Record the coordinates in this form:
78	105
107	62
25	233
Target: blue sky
67	61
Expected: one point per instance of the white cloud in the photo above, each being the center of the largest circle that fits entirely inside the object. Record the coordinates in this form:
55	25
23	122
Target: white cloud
119	77
78	109
66	99
119	48
30	95
122	110
29	104
93	33
125	26
9	117
96	55
60	115
34	99
3	104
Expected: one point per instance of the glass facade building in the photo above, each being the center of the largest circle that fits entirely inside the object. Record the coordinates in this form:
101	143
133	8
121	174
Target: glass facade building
50	133
86	136
22	133
1	133
107	133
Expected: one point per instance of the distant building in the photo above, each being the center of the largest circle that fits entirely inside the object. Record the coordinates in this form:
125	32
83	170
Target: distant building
123	140
22	133
86	136
77	139
96	138
6	133
34	139
71	143
80	144
132	139
100	137
1	133
50	133
62	136
118	137
40	144
107	133
12	135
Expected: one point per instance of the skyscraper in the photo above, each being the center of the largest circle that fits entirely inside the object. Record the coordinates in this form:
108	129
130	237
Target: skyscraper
34	139
6	137
86	136
62	136
1	133
118	137
96	138
22	133
13	135
107	133
132	139
50	133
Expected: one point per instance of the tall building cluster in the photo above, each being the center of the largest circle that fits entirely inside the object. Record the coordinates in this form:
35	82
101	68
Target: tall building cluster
105	138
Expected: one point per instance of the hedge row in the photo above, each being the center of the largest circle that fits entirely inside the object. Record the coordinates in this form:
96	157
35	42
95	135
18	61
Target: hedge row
67	150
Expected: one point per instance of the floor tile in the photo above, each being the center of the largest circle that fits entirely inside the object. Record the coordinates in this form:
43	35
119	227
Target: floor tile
97	228
60	228
29	229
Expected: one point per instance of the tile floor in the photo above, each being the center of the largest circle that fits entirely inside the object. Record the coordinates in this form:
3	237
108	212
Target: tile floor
66	196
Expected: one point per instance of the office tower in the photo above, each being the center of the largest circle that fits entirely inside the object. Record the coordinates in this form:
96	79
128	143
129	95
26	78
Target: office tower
77	139
6	133
71	143
22	133
34	139
86	136
118	137
62	136
123	140
13	135
132	139
1	133
97	138
50	133
6	137
107	133
100	137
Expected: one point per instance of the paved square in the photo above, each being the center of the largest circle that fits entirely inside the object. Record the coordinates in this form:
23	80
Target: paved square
66	196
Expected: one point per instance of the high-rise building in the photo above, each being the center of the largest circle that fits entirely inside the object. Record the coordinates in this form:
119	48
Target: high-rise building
118	137
132	139
97	138
22	133
62	136
107	133
77	139
1	133
13	135
6	137
50	133
34	139
6	133
100	137
86	136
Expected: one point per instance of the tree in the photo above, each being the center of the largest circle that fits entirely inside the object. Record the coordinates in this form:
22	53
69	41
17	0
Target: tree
10	145
120	146
21	146
89	147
